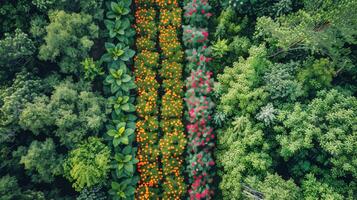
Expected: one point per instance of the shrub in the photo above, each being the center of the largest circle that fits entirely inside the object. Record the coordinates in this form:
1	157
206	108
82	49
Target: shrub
88	164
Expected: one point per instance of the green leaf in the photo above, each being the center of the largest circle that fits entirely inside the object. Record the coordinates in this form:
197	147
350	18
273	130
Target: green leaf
109	79
131	108
126	99
115	185
125	87
129	131
132	117
129	168
126	107
112	33
114	88
121	124
131	125
106	57
126	23
127	158
127	150
109	45
126	78
117	110
121	130
112	133
116	142
130	190
118	82
120	166
135	161
109	24
125	140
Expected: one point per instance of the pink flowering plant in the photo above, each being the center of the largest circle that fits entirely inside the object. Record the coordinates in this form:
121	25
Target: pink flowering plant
197	12
194	37
199	83
200	133
200	188
198	57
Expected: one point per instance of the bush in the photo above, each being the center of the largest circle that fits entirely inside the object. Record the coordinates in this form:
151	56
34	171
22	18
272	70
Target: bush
88	164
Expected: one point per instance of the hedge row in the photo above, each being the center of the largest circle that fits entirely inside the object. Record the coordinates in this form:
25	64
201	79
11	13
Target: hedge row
199	104
120	86
173	141
146	66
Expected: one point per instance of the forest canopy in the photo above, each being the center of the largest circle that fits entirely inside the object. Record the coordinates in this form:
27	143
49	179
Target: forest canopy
168	99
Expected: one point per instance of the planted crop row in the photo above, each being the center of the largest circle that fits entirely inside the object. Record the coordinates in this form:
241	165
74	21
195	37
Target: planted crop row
146	66
120	85
199	104
173	141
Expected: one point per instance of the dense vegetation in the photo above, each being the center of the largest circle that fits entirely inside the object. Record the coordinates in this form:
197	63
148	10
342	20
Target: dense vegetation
167	99
199	105
287	99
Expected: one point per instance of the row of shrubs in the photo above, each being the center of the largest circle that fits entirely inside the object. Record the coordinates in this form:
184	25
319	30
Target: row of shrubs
173	141
199	85
146	66
160	133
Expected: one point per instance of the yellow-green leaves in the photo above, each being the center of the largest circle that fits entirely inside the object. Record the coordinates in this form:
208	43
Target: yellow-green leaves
117	52
92	69
120	134
88	164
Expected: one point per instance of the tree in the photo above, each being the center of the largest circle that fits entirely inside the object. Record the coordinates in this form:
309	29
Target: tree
15	52
42	161
24	88
286	111
69	38
72	112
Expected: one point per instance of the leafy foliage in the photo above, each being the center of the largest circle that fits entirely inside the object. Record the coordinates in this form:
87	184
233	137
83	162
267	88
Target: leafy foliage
14	15
261	7
328	121
68	40
93	193
88	164
9	189
172	142
120	84
146	63
43	113
92	69
199	104
197	13
286	128
42	161
84	116
73	111
15	51
24	89
274	187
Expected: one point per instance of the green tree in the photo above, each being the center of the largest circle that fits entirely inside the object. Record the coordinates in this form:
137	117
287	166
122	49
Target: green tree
10	190
286	110
71	113
88	164
42	161
327	126
24	88
15	53
69	38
